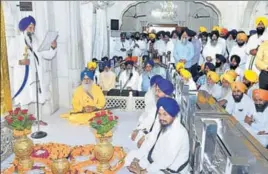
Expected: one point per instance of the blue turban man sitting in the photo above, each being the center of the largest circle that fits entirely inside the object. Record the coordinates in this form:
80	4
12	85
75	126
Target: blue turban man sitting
168	150
86	99
144	80
107	78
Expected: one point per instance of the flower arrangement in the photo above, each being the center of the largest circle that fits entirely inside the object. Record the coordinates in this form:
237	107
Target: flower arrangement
103	122
20	121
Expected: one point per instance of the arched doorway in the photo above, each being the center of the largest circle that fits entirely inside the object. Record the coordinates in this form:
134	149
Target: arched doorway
182	13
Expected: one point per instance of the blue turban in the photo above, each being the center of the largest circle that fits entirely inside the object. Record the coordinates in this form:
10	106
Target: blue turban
150	62
221	58
155	79
88	73
210	66
107	63
25	22
190	33
169	105
166	86
251	32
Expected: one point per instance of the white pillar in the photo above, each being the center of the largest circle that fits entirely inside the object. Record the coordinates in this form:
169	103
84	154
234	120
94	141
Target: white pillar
86	18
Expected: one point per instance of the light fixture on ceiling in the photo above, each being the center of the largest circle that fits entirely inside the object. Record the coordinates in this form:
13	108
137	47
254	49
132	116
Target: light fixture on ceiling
167	10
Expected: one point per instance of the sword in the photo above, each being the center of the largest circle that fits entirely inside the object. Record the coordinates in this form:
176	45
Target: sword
81	112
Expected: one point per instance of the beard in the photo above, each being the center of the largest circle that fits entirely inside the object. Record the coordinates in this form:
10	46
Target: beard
261	107
238	98
86	86
128	72
106	74
164	125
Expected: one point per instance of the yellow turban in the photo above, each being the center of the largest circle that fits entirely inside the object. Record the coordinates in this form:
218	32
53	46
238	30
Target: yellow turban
232	73
216	28
251	76
228	77
213	76
152	36
260	94
91	65
242	36
185	74
262	19
202	29
240	86
179	66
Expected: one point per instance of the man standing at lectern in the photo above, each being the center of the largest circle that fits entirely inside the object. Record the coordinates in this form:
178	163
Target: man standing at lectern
30	62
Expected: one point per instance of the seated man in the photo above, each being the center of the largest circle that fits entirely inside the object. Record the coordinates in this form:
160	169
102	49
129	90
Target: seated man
129	78
202	77
164	88
87	98
168	151
144	80
251	79
107	78
187	79
226	91
211	86
258	126
239	104
159	68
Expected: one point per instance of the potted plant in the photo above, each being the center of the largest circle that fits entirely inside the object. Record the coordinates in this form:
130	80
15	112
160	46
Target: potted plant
20	121
103	124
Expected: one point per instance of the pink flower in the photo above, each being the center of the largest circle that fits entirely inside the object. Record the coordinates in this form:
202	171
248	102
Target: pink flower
31	117
24	111
20	118
15	112
17	109
103	113
110	118
116	117
98	114
9	120
10	112
99	122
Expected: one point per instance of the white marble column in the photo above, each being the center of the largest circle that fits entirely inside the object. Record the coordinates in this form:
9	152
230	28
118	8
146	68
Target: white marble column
86	18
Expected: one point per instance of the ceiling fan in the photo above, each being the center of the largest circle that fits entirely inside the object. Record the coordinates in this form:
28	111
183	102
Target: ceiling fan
135	15
198	17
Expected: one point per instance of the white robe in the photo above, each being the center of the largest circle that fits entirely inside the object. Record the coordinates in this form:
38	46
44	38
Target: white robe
225	93
211	51
171	150
160	45
119	44
132	83
191	84
241	52
139	52
253	43
260	124
245	107
214	90
28	94
170	47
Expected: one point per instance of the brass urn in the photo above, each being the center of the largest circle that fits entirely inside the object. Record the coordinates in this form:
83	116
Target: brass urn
60	166
103	152
23	148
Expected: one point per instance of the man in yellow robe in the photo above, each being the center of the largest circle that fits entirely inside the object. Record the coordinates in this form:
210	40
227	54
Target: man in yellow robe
87	98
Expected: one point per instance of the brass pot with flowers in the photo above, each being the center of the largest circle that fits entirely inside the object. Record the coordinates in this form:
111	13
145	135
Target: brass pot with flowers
20	121
103	124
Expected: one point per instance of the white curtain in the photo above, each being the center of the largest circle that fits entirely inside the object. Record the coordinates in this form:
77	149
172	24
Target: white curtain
100	37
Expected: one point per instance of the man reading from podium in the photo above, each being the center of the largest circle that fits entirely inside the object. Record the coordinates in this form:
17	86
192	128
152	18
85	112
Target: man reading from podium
87	98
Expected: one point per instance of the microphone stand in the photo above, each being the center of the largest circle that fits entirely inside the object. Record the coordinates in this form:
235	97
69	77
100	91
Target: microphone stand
38	134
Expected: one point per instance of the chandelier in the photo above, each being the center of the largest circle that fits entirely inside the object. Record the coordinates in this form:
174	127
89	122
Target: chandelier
167	10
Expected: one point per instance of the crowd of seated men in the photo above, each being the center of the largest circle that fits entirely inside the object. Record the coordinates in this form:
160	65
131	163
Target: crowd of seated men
231	66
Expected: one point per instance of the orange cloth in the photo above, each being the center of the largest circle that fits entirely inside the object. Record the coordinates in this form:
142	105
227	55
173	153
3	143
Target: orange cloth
133	59
242	37
261	94
224	31
240	86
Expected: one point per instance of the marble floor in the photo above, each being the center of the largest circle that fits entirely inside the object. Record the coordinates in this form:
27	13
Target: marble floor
61	131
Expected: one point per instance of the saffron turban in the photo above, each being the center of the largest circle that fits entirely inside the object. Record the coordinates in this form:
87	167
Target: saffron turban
179	66
150	62
152	36
88	73
213	76
232	73
107	64
242	36
185	74
251	76
165	86
224	31
228	77
155	79
92	65
169	105
260	94
239	86
134	59
216	28
25	22
262	19
202	29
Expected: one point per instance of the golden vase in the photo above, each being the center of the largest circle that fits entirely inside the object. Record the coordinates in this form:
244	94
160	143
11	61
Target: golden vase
23	148
60	166
103	152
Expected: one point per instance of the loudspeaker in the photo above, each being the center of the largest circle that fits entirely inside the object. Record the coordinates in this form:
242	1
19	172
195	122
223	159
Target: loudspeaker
114	24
